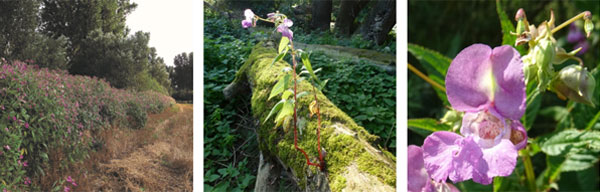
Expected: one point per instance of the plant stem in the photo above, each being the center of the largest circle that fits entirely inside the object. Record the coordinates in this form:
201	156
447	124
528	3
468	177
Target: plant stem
424	77
592	122
529	174
295	113
568	22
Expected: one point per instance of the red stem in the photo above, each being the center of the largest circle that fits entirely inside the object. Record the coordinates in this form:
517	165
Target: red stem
296	118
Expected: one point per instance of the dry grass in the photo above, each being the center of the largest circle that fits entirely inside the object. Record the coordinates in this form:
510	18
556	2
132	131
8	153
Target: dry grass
158	157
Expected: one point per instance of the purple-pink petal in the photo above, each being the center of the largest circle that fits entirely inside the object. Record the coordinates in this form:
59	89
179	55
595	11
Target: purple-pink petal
447	154
501	160
248	14
509	96
480	78
246	23
418	179
288	23
463	78
285	31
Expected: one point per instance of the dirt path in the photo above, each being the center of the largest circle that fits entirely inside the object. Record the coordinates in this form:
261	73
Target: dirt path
158	157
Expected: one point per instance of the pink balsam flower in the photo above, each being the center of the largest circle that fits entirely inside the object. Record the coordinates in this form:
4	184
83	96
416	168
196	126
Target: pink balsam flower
488	86
283	28
249	18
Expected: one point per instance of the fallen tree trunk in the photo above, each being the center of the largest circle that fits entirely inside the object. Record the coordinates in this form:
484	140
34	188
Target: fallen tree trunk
352	161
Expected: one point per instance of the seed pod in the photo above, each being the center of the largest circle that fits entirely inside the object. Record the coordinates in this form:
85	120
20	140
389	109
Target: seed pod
575	83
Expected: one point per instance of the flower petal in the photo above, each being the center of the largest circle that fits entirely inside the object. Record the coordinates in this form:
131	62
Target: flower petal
509	97
285	31
463	79
467	163
518	135
447	154
246	23
288	23
417	175
438	151
248	14
501	159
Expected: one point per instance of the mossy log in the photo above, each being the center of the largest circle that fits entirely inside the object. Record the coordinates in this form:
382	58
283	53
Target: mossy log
352	161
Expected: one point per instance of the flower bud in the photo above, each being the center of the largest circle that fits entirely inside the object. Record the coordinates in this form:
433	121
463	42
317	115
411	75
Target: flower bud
541	56
452	118
520	15
576	83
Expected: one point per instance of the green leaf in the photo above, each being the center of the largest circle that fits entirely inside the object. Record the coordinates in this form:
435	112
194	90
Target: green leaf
279	86
563	142
283	44
286	94
507	27
308	66
435	64
279	57
534	101
287	109
301	94
426	126
275	109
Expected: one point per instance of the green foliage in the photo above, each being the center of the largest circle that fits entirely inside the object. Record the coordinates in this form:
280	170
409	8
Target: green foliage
98	56
224	53
182	77
18	22
45	111
76	20
48	52
355	41
436	66
426	126
143	81
136	115
365	92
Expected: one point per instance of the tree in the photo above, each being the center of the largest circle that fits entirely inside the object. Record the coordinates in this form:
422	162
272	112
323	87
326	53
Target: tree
183	71
79	19
112	57
18	21
158	69
349	10
47	52
380	21
76	19
321	14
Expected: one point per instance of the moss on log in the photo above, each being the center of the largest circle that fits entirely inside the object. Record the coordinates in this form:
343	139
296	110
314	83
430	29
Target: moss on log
352	161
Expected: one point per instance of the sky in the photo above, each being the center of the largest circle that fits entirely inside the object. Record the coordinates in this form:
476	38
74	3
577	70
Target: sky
170	25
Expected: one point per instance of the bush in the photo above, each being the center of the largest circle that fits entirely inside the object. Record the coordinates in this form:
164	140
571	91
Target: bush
43	110
136	115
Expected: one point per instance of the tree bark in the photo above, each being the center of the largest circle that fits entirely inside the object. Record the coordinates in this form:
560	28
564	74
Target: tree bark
380	21
321	14
349	10
352	162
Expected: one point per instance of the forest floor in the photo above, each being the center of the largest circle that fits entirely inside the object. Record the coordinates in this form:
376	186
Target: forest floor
158	157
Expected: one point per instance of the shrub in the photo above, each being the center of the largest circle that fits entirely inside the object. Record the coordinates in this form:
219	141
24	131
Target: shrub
43	110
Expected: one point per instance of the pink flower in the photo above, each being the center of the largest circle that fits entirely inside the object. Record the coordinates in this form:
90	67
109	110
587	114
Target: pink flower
67	189
7	147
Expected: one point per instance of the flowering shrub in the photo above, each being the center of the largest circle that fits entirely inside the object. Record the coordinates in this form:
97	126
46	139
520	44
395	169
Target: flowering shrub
45	109
495	95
